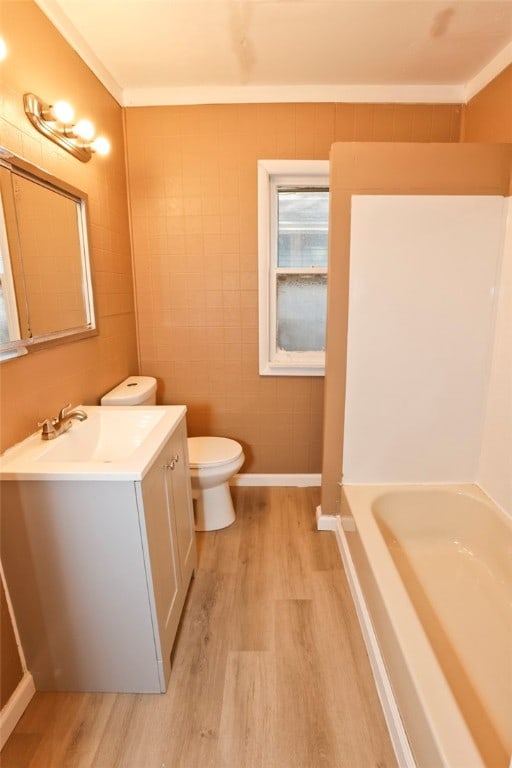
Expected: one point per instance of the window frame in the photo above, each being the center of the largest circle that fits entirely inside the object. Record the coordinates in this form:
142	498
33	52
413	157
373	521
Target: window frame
273	174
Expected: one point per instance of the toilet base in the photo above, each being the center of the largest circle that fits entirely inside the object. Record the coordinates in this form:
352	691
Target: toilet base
213	508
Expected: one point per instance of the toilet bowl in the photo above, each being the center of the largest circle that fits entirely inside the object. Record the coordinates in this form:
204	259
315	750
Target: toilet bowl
213	461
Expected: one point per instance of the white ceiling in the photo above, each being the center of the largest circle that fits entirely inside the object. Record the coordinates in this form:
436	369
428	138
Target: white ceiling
206	51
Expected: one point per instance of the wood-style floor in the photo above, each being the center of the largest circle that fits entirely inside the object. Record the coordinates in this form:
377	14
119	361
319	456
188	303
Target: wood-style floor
269	668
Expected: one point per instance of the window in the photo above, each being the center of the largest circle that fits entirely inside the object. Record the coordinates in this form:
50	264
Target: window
293	216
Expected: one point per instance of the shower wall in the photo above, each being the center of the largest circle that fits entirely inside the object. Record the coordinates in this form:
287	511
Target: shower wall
423	277
488	118
495	467
387	169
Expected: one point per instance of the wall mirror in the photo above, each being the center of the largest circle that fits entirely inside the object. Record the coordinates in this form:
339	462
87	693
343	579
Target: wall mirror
45	278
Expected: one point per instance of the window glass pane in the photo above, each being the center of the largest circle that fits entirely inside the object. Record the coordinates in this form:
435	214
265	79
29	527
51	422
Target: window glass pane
4	328
303	217
301	308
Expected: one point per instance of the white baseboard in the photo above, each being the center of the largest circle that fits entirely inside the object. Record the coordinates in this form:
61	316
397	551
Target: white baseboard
394	722
325	522
15	707
277	480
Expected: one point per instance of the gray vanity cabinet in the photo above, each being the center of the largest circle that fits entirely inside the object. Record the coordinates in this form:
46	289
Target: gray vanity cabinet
98	572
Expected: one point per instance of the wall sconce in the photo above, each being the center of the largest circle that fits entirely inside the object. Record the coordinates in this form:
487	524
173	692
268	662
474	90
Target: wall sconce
56	123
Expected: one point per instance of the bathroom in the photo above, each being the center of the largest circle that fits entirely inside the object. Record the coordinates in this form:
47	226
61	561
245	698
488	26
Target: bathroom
204	319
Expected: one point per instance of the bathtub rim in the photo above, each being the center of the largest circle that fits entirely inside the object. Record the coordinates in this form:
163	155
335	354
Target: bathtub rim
446	729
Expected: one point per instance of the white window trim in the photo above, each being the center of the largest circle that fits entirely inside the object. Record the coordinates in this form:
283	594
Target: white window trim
270	174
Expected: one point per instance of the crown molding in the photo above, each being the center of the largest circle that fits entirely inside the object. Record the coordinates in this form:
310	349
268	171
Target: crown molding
257	94
60	21
488	73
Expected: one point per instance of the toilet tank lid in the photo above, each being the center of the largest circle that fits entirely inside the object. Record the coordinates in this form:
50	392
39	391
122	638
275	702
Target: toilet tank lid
133	390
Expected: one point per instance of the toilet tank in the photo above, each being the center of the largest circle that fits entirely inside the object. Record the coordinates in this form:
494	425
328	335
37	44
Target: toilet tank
135	390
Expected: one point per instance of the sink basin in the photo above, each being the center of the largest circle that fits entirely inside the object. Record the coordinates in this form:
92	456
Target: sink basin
107	435
114	442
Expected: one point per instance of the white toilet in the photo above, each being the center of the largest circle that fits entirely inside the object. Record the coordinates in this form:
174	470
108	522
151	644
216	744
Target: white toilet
135	390
213	461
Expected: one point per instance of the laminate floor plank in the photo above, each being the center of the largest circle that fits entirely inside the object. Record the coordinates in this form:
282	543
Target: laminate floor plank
305	735
112	748
252	618
290	544
198	674
268	670
71	724
248	719
348	685
218	550
91	721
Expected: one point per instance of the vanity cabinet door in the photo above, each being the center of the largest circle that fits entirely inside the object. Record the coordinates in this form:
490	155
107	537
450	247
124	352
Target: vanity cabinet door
182	503
168	521
163	555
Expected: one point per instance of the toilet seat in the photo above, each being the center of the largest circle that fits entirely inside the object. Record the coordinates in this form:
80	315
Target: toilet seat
212	451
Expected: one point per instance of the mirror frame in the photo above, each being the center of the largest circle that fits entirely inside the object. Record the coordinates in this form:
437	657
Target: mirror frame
13	163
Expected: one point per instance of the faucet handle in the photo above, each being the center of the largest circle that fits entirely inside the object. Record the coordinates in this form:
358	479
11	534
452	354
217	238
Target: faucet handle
48	427
62	412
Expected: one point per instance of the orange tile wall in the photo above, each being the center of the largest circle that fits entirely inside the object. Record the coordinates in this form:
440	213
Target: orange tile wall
487	117
36	386
193	198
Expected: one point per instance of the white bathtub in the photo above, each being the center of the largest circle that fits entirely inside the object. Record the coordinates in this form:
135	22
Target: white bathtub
431	572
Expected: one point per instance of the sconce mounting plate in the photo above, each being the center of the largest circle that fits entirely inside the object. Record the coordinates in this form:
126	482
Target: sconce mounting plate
34	109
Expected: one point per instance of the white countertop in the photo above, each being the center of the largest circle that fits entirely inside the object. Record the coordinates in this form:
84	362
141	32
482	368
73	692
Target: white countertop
103	447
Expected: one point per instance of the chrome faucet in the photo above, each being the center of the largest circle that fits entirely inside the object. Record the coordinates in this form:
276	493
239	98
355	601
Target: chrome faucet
52	428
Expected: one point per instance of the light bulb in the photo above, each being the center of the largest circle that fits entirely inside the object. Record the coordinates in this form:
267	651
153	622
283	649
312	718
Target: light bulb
84	129
3	49
101	145
63	112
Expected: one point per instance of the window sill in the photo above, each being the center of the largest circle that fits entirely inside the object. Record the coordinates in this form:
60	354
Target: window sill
285	369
